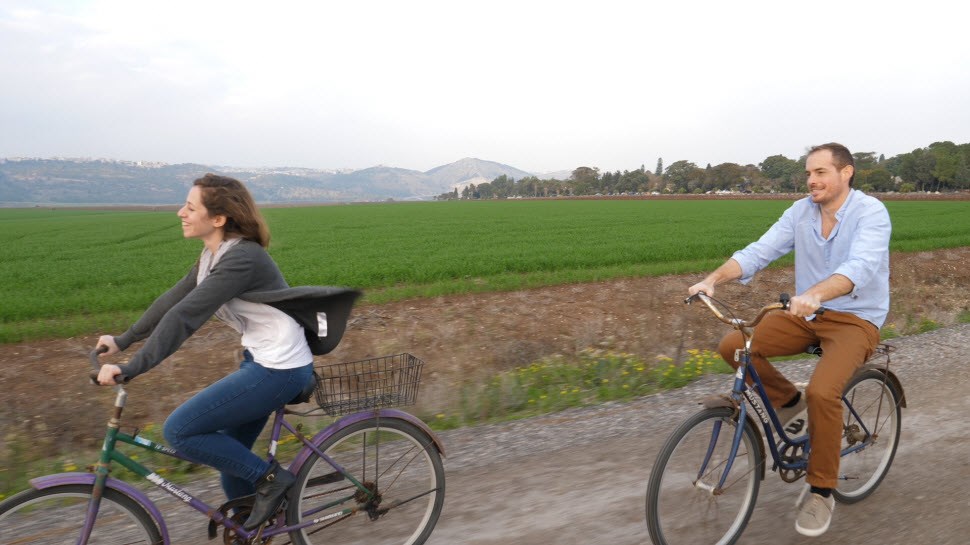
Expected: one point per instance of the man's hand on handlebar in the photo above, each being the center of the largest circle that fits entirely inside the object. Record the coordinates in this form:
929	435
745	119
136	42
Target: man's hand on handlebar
804	305
702	286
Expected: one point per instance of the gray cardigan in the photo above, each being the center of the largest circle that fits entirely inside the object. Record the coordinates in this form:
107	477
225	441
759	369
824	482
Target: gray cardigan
245	271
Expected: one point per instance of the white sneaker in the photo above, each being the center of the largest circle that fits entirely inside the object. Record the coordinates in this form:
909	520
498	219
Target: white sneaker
814	513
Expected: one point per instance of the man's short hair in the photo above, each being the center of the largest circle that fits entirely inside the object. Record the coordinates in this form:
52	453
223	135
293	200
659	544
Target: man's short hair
841	156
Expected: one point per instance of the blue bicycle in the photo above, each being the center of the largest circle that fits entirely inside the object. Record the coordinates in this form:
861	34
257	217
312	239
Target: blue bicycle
705	481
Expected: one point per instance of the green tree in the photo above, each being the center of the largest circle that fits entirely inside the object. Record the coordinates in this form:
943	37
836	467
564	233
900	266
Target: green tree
585	180
484	191
917	167
893	165
865	160
660	167
633	182
683	176
779	167
726	176
881	180
962	180
528	187
947	157
784	174
502	187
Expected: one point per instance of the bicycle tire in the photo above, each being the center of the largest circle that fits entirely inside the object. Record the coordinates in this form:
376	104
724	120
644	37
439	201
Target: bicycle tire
408	468
877	402
55	516
679	511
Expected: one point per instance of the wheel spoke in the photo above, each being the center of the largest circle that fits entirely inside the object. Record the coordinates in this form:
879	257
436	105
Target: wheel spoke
684	504
875	412
55	516
401	471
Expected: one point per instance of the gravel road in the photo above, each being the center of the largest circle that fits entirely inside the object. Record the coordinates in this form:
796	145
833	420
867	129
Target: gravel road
579	477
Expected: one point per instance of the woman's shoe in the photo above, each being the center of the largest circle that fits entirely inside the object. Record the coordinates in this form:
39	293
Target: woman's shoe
271	491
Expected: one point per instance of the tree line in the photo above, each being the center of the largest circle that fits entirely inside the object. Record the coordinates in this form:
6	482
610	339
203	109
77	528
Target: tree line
939	167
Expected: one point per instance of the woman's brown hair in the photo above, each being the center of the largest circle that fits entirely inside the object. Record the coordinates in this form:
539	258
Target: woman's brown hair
225	196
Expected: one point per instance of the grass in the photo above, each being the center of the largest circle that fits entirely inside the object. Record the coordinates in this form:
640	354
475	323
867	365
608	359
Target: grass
964	316
74	272
558	383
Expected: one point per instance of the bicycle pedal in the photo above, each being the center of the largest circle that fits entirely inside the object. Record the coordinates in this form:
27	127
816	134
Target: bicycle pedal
795	427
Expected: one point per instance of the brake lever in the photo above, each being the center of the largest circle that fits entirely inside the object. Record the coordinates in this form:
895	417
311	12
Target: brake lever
691	298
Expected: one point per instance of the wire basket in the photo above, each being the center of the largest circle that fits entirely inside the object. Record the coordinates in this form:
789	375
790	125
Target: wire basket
387	381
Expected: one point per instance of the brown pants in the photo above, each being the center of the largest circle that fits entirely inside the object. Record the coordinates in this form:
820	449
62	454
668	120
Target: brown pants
847	341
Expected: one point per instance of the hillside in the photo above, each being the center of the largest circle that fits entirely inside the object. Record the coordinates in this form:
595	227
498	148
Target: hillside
30	181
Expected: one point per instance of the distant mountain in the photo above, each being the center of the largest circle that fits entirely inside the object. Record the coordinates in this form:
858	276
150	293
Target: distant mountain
557	175
467	171
103	181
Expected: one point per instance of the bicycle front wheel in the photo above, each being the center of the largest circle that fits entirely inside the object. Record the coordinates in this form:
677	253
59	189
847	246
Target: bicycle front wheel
403	483
871	422
685	503
54	516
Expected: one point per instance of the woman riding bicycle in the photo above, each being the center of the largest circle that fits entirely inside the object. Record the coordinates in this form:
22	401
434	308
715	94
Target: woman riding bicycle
236	280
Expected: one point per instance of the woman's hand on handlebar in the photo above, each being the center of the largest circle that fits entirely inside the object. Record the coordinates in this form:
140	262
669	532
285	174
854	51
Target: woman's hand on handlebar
109	344
105	347
107	374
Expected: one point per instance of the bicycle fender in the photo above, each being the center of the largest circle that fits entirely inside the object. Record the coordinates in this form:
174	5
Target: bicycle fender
49	481
352	419
890	376
719	400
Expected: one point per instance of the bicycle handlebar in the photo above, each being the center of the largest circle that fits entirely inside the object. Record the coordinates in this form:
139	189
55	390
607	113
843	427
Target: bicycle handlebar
783	301
96	364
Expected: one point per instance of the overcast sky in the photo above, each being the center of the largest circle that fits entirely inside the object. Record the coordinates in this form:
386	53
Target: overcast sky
542	86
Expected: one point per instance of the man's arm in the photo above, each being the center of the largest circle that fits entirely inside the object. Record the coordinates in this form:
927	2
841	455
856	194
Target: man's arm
807	303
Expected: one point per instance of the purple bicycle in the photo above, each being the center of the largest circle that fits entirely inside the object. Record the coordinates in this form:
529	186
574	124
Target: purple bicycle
373	476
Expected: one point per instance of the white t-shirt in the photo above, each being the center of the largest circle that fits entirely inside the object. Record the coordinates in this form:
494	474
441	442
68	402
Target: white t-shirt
273	338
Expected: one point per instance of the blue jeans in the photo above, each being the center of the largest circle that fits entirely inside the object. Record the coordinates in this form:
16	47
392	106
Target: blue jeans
218	426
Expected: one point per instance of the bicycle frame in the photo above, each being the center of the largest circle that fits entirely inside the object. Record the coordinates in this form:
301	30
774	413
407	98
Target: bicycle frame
767	416
100	480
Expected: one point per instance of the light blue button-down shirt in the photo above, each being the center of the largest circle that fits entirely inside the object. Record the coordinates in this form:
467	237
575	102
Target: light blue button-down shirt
857	248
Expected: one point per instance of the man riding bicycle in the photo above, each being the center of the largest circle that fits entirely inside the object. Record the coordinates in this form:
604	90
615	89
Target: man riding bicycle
840	237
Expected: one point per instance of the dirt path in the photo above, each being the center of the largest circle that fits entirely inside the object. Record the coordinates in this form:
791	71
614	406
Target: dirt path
579	477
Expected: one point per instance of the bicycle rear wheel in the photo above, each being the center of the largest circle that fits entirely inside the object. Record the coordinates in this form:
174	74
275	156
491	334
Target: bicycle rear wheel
396	461
684	504
872	427
54	516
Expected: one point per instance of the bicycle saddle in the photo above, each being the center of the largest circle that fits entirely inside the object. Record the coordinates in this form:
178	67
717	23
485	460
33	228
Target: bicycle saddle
306	394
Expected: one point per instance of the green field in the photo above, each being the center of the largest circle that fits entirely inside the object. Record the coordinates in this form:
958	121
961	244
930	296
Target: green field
66	272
